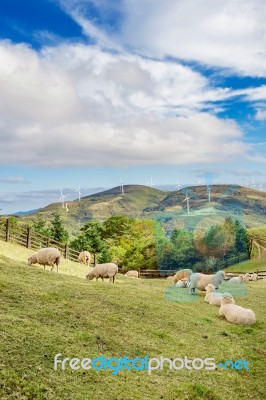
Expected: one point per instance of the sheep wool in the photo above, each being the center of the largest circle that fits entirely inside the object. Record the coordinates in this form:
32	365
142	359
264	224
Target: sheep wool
183	273
47	256
200	281
84	257
107	270
236	314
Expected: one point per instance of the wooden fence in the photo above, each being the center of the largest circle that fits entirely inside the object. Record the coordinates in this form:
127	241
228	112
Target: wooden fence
31	239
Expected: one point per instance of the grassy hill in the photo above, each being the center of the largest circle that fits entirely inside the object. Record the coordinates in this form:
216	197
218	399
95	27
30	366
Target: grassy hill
44	313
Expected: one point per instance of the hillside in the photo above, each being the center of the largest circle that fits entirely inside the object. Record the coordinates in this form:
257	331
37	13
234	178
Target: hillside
44	313
248	205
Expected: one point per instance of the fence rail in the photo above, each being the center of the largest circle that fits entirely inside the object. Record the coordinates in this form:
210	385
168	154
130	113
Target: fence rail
31	239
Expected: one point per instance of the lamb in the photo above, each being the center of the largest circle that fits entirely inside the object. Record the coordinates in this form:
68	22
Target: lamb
182	283
253	277
213	297
246	277
234	313
132	274
200	281
183	273
84	257
107	270
47	256
236	279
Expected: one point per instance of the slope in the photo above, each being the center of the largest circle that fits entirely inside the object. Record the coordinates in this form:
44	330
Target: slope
43	314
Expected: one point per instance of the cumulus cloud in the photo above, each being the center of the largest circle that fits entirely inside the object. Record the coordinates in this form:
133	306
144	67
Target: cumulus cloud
76	105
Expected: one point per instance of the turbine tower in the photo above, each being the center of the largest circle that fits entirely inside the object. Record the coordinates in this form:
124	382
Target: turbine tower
78	190
122	187
66	207
150	183
187	200
209	192
178	187
61	199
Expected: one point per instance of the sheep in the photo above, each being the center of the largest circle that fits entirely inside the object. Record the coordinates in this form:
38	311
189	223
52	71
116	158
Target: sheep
132	274
47	256
253	277
246	277
212	297
236	279
234	313
182	283
200	281
84	257
107	270
183	273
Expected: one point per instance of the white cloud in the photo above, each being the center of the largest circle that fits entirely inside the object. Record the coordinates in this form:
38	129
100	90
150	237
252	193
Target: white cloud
75	105
260	115
229	34
14	180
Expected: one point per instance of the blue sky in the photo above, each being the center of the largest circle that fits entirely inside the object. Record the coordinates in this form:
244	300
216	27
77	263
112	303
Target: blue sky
94	91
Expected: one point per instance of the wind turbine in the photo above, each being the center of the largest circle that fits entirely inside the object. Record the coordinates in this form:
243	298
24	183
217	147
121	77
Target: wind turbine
209	192
61	199
187	200
150	183
198	182
178	187
260	187
122	187
78	190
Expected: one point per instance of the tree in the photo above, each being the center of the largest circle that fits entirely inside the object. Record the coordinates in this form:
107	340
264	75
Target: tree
39	225
57	230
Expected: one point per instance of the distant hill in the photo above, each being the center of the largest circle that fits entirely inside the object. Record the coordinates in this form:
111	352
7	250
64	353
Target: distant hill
139	201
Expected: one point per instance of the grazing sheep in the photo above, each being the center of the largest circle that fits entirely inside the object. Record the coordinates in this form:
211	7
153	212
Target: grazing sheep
264	279
108	270
253	277
183	273
234	313
84	257
246	277
132	274
212	297
170	277
236	279
200	281
47	256
182	283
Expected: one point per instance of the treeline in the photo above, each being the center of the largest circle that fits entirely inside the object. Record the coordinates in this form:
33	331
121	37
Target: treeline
204	248
133	243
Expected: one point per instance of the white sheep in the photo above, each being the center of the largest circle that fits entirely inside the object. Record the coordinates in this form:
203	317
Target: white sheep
234	313
253	277
84	257
132	273
183	273
200	281
246	277
236	279
107	270
47	256
182	283
212	297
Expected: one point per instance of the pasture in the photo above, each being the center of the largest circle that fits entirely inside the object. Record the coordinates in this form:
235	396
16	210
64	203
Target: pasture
44	313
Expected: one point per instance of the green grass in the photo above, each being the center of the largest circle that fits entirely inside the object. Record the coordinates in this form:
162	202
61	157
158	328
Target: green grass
44	313
248	266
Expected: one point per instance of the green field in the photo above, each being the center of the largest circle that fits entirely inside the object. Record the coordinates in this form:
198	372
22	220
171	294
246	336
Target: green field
44	313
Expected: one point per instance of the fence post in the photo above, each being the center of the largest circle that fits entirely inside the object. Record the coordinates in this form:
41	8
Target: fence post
94	260
7	229
47	242
66	251
28	243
